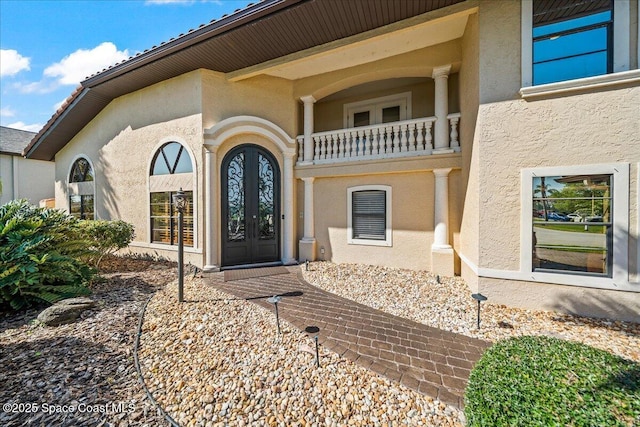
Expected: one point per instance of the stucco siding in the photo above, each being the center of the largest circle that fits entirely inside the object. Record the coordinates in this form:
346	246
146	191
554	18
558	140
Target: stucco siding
25	179
412	220
121	142
269	98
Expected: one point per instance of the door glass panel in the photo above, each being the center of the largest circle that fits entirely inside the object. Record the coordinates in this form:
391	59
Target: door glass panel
266	200
391	114
361	119
235	199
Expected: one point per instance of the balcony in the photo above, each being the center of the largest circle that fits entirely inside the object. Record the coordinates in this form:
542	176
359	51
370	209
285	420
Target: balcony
407	138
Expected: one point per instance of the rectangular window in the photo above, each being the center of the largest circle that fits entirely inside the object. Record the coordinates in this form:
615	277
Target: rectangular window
164	219
573	224
386	109
571	41
81	206
369	215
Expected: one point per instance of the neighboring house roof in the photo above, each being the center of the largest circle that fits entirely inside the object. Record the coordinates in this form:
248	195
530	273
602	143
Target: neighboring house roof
261	32
13	141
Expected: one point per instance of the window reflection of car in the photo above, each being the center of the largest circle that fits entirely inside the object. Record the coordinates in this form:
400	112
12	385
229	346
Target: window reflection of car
575	217
554	216
594	218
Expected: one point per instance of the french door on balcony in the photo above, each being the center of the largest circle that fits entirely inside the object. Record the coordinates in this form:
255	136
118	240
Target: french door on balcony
250	206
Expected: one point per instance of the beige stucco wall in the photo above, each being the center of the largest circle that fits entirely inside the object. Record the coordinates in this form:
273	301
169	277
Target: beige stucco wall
469	245
577	128
412	212
267	97
329	115
25	179
121	141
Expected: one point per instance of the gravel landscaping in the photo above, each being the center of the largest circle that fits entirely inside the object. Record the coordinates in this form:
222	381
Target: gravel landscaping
449	306
216	360
85	367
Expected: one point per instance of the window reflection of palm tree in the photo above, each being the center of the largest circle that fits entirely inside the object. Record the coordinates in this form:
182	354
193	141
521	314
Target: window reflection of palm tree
542	189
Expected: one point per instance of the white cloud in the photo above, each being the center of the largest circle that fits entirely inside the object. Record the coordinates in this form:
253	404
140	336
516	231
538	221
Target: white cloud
11	62
74	68
21	125
7	112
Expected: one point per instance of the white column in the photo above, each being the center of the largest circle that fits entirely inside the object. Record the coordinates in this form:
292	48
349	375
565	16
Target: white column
307	245
210	211
309	230
441	213
441	137
288	234
308	102
442	260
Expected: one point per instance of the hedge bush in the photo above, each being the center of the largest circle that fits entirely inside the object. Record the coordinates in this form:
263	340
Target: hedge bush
543	381
40	256
106	237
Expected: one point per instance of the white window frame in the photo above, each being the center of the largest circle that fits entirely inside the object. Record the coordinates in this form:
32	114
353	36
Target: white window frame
621	57
388	232
375	107
619	279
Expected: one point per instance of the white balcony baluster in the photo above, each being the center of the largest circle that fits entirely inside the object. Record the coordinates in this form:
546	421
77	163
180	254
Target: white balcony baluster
399	139
453	137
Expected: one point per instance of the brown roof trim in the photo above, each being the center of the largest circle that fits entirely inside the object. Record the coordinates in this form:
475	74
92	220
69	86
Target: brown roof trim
213	29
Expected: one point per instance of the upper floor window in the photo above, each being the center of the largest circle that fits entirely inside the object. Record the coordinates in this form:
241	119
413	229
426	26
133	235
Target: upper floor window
81	171
386	109
171	158
571	40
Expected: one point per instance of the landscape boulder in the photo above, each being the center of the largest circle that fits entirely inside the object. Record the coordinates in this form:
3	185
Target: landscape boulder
65	311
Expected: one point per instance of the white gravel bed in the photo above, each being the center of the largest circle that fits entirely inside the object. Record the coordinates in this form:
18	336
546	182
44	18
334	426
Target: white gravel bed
417	295
215	360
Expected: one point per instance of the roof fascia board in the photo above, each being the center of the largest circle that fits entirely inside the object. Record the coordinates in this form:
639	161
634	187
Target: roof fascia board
467	7
29	150
218	27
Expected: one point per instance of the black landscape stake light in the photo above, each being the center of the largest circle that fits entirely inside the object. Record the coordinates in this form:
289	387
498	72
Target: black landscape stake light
314	330
180	202
479	298
306	265
275	300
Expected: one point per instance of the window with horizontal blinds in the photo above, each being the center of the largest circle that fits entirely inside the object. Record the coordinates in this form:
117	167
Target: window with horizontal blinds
369	214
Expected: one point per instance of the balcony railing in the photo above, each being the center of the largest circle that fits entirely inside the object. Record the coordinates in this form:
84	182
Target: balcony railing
397	139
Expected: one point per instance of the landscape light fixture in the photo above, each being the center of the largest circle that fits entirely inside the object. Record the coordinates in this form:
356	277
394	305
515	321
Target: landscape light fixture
314	330
306	265
275	300
180	203
479	298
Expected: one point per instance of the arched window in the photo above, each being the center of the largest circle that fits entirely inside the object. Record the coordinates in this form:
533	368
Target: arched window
81	190
171	170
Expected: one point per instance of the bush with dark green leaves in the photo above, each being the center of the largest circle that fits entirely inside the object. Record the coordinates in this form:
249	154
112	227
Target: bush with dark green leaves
41	253
544	381
106	237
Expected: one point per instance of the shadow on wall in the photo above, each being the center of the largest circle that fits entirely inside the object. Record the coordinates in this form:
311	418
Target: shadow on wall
601	306
106	201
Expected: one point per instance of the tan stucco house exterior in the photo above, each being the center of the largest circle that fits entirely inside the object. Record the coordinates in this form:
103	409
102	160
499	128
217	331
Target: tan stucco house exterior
497	140
22	178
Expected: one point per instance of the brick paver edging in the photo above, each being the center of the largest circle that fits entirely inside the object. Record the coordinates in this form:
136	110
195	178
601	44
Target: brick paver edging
428	360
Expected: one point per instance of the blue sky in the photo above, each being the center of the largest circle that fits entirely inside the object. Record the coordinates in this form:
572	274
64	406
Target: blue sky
48	47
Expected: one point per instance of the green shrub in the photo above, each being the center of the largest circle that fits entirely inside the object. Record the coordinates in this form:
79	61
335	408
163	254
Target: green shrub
543	381
40	252
107	237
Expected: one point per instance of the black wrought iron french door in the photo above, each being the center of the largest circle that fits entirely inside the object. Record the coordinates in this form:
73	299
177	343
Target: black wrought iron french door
250	206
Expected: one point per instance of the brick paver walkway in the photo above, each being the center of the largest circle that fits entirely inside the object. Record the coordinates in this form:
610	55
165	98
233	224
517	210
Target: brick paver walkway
429	360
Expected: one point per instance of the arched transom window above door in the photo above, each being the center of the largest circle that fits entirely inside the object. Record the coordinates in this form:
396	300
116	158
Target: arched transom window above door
81	189
171	170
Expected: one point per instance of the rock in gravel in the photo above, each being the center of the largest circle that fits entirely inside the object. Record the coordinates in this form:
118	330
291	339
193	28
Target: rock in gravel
65	311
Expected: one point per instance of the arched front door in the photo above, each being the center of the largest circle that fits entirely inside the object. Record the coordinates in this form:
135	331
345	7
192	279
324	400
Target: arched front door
250	206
